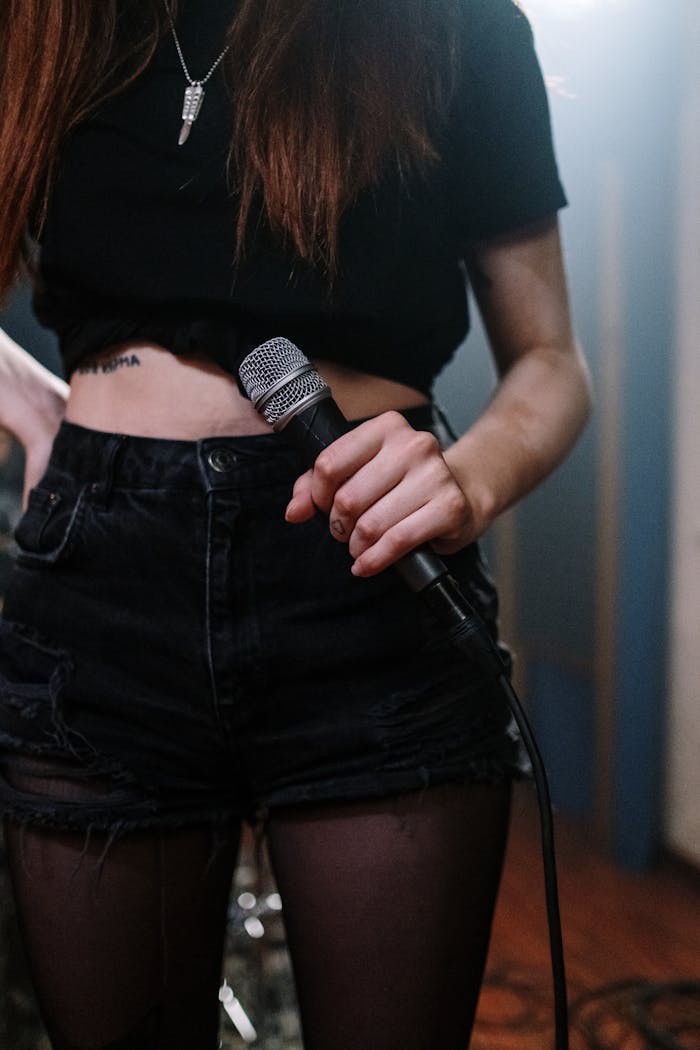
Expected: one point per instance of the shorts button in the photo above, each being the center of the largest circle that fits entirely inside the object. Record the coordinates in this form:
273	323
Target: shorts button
221	459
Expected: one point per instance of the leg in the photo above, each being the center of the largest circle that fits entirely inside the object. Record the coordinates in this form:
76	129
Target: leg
124	939
388	907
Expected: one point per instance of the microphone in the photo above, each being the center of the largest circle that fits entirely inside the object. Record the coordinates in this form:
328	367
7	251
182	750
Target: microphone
288	391
292	397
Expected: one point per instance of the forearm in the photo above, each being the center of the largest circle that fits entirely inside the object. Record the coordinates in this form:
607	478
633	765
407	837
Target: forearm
538	411
32	399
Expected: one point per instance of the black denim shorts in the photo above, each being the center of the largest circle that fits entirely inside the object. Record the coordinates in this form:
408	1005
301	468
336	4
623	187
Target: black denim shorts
181	654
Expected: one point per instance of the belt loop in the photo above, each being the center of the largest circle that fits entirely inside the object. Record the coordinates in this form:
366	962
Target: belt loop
102	489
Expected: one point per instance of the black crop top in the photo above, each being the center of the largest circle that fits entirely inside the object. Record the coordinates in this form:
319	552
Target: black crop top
139	238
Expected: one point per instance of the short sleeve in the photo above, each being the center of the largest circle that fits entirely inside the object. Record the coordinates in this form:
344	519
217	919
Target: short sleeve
500	134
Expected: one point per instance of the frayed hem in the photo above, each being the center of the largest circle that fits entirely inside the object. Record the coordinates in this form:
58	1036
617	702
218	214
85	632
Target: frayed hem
116	829
392	783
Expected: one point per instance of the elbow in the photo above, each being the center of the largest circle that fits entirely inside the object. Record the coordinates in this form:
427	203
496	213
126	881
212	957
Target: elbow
584	383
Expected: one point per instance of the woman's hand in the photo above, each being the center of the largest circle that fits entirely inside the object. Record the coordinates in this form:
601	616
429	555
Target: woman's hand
32	406
386	489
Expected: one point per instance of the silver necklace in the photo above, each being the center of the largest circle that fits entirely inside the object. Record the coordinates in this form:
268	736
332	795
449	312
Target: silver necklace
194	92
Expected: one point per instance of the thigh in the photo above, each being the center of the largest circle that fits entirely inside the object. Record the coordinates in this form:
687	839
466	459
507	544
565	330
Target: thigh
388	905
124	933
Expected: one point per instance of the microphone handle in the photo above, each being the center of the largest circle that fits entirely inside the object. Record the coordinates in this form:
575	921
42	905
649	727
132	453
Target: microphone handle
311	430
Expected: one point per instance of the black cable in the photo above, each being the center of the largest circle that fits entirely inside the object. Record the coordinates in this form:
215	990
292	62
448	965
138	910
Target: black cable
476	641
471	636
556	946
484	649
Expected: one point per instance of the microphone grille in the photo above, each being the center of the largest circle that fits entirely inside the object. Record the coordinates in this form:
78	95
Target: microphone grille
263	373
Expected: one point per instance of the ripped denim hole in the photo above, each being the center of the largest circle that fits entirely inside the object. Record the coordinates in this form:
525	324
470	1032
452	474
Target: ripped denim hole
55	778
58	786
34	676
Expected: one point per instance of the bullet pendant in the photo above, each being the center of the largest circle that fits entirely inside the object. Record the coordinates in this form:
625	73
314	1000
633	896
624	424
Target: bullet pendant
191	105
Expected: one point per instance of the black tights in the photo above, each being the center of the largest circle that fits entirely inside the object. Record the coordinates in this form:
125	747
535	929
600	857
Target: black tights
387	905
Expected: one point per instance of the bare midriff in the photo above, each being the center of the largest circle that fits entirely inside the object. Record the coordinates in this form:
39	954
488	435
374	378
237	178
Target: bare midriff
143	389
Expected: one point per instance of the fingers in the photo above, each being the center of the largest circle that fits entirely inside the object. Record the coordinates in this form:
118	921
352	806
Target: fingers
337	464
317	488
301	506
386	489
389	531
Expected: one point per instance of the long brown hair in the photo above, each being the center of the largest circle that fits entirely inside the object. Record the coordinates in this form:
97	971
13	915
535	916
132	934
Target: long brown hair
328	95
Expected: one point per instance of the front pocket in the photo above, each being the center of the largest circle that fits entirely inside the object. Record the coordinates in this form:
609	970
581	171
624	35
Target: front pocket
47	531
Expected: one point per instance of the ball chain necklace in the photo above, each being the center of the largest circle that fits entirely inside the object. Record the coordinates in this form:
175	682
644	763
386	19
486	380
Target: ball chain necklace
194	92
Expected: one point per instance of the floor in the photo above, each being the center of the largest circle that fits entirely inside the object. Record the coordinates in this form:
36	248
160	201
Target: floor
632	948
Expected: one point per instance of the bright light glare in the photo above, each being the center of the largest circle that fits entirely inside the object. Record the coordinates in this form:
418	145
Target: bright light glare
253	927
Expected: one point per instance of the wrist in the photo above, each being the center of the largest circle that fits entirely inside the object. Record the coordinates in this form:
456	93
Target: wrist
479	495
37	413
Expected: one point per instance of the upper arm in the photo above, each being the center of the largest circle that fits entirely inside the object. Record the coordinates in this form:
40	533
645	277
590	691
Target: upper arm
519	283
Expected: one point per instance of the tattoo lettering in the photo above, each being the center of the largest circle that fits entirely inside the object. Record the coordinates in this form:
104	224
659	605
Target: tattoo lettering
107	367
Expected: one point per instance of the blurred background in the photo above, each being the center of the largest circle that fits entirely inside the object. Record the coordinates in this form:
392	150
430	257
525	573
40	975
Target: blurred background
600	569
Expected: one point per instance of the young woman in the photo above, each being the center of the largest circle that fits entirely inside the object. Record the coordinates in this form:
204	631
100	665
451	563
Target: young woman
200	629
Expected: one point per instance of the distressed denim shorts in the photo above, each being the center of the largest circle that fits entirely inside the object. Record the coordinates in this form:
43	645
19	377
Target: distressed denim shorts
181	654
